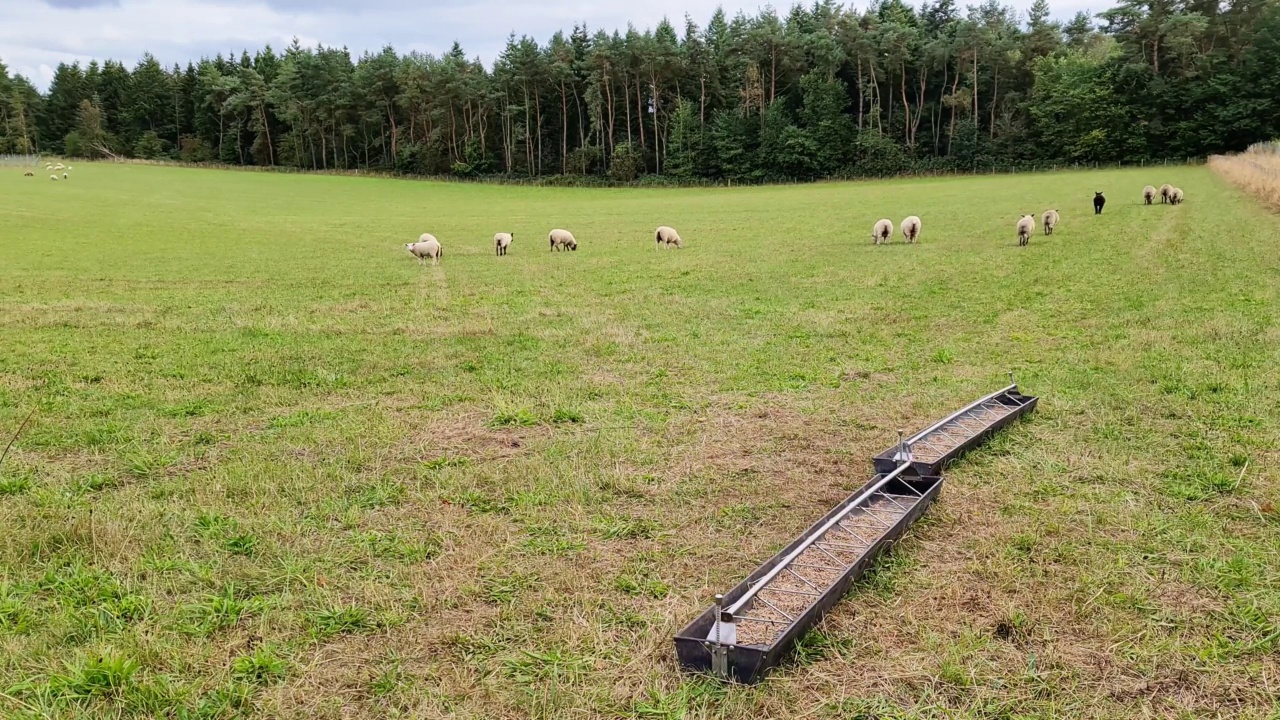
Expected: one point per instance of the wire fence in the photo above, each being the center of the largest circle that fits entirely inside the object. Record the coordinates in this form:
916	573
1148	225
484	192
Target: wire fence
19	160
661	181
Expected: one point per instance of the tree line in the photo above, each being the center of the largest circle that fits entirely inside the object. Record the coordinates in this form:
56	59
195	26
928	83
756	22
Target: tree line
822	91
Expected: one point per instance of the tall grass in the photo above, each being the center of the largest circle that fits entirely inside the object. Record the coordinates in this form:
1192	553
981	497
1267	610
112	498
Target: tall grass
1256	171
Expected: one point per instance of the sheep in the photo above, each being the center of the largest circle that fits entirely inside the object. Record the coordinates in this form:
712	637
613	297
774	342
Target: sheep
426	247
562	240
1026	226
1176	196
667	236
48	166
882	232
911	228
1098	202
1050	221
59	166
65	176
28	174
1165	189
1148	194
501	242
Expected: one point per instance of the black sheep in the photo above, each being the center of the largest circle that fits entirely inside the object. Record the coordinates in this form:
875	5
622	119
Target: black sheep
1098	202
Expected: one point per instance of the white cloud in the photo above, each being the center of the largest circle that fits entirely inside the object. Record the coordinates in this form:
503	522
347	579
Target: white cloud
36	35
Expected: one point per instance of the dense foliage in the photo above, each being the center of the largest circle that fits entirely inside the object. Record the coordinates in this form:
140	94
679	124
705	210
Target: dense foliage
822	91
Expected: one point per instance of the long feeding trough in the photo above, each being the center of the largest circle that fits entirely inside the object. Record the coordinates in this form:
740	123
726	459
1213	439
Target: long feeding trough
751	628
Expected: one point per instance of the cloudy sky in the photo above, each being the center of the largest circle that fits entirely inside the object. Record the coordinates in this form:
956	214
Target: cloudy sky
35	35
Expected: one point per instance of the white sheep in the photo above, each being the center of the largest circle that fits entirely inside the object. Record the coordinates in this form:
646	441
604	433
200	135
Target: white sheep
65	176
882	232
1026	226
53	177
562	240
667	236
59	166
501	242
1176	197
1148	194
426	247
1165	189
911	228
1050	221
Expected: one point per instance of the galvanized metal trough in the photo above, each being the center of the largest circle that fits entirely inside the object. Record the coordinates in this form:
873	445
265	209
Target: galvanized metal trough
752	627
934	447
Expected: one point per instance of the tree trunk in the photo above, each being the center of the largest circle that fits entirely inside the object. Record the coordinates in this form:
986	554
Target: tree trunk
906	107
861	100
626	91
657	136
266	129
564	131
995	100
640	110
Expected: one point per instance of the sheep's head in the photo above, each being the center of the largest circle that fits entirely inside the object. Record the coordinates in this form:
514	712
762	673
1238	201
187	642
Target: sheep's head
408	246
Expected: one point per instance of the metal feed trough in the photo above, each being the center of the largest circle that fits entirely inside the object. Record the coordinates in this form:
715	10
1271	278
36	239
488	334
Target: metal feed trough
752	627
932	448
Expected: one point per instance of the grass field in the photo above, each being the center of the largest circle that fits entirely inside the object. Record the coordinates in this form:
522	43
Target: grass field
278	469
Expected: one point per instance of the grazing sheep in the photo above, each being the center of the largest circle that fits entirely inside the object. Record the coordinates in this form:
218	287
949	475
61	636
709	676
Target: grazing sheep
1148	194
28	174
59	166
882	232
1098	202
1026	226
426	247
501	242
1176	196
65	176
667	236
562	240
48	166
1050	221
911	228
1165	189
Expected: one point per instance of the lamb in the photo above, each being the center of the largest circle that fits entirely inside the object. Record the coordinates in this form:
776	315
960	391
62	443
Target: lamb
501	242
1050	221
1175	196
1148	194
426	247
882	232
1098	202
562	240
667	236
1026	226
911	228
1165	189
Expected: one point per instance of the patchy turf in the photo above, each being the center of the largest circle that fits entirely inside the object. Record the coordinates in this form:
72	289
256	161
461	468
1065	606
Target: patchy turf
280	470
